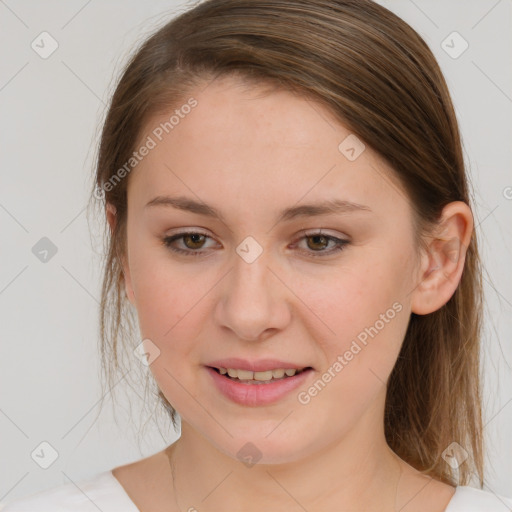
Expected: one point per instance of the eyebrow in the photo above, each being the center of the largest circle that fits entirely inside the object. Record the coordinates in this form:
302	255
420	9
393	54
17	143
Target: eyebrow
305	210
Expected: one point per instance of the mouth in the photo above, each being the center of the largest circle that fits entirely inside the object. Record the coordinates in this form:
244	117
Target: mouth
258	388
258	378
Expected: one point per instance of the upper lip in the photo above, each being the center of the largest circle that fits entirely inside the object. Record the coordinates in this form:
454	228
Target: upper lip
260	365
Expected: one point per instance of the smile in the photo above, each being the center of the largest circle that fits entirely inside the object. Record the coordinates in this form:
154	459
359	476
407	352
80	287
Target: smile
254	389
250	377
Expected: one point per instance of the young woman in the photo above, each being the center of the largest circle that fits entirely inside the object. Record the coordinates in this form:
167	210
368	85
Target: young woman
290	220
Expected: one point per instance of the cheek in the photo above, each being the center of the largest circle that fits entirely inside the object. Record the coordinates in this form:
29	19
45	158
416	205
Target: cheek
364	314
170	314
165	295
369	324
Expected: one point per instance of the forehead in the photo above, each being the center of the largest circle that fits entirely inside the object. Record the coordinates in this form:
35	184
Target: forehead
241	140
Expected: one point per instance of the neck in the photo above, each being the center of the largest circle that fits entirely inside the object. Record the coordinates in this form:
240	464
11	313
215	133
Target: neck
357	472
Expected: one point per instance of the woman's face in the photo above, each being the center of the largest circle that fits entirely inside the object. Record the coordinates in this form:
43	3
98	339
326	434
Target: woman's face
258	282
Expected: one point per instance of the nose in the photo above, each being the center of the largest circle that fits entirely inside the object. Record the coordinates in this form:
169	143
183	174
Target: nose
253	302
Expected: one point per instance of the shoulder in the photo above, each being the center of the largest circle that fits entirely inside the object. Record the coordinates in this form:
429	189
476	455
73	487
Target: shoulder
100	492
469	499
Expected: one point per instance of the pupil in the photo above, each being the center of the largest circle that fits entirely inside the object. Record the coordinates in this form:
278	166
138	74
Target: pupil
316	237
194	237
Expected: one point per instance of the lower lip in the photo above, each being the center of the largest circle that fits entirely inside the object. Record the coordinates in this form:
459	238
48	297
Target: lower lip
257	394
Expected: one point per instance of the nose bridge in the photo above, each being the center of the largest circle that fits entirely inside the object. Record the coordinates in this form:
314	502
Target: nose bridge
250	279
251	303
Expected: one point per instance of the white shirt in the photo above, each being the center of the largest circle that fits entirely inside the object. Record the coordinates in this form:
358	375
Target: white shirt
104	492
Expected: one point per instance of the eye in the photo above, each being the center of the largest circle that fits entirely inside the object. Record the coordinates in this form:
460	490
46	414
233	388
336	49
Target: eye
193	241
321	240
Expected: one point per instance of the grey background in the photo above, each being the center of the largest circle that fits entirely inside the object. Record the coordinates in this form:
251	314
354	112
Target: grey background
51	110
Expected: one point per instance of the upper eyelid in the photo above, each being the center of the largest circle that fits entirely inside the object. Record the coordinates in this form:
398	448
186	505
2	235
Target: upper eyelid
302	232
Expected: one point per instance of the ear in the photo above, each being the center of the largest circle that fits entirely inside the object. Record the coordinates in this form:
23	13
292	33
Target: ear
443	262
111	216
112	219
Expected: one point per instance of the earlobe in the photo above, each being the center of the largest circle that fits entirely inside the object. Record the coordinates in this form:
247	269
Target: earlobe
443	262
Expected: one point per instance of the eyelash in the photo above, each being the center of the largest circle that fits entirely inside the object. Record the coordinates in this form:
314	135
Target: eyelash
340	243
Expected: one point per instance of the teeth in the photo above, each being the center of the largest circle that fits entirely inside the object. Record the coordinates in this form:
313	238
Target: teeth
243	374
268	375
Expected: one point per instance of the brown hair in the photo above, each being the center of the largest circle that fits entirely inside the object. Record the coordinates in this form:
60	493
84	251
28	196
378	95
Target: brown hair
380	79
